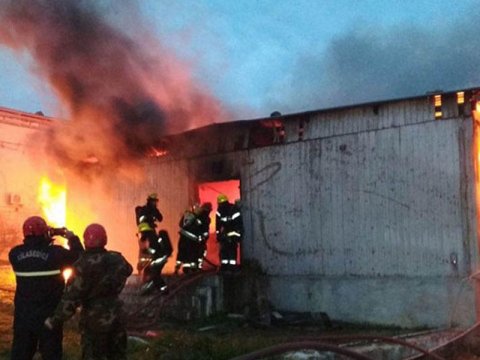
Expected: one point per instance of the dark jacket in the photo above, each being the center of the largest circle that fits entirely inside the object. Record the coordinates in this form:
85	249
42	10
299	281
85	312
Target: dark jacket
38	267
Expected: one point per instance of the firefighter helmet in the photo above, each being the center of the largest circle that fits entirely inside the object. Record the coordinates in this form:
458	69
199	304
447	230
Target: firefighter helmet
207	206
196	209
222	198
152	197
35	226
95	236
144	226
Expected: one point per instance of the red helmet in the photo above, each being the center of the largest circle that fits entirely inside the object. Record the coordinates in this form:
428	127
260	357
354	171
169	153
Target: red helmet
95	236
35	226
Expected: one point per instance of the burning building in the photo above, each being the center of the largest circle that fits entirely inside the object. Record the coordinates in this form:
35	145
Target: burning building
366	212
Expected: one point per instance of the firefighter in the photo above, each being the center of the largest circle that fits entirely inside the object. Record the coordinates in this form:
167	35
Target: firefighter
193	235
147	217
229	230
204	216
97	279
38	265
152	275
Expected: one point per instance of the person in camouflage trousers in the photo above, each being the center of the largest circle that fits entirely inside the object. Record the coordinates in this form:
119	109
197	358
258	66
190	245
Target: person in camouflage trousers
97	279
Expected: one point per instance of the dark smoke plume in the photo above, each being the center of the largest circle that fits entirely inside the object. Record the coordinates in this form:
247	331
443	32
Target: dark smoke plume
122	93
365	66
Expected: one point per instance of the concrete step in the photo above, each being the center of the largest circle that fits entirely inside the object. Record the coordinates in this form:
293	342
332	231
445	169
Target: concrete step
192	296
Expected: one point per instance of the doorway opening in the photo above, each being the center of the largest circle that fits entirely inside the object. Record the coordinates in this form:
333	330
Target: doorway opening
208	192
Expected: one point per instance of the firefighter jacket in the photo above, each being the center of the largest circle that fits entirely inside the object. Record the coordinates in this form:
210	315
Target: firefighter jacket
205	224
146	216
97	279
192	227
228	223
161	249
38	266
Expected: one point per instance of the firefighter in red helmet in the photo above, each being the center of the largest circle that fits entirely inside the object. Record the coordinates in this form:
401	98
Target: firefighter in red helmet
97	279
38	265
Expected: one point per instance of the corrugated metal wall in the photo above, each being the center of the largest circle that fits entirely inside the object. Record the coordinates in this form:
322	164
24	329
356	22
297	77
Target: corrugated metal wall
371	217
170	180
365	208
367	203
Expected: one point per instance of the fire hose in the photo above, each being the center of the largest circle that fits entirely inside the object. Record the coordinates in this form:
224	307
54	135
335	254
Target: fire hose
375	338
453	340
300	345
318	343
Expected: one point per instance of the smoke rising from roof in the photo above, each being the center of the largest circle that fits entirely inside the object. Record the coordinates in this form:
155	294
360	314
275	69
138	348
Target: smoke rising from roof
368	64
122	91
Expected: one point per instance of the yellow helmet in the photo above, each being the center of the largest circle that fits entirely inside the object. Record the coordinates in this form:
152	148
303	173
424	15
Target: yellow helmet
153	196
144	227
222	198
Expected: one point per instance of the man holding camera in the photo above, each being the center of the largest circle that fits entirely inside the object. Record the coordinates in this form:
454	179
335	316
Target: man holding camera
38	267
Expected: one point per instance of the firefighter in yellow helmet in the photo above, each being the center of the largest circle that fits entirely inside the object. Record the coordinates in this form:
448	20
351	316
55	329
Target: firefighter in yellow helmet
147	217
229	230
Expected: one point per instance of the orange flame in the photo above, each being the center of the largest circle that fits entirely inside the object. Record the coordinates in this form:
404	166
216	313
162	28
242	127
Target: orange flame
53	200
476	151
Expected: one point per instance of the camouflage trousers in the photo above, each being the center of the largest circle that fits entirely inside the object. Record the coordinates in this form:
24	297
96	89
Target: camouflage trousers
111	345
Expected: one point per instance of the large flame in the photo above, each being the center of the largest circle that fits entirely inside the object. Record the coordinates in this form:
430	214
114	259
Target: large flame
53	200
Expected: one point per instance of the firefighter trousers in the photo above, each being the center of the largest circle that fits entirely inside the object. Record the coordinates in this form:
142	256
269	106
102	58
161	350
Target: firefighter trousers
27	339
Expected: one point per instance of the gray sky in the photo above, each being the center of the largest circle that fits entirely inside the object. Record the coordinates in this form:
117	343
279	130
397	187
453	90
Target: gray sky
287	55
